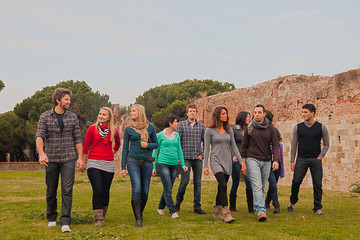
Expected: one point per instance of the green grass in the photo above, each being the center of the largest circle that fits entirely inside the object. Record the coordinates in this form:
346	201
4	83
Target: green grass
22	214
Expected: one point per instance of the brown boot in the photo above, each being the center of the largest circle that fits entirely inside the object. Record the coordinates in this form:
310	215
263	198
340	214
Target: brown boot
105	209
250	200
217	212
232	200
226	214
98	217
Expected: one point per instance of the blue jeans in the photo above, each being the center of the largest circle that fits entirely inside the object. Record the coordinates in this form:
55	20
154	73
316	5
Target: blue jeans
167	175
272	194
259	174
196	166
236	168
140	175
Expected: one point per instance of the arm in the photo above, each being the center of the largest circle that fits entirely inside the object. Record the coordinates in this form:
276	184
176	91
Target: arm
88	140
207	140
201	157
275	149
245	144
117	141
80	162
180	153
43	159
156	151
326	142
152	135
294	147
234	149
125	149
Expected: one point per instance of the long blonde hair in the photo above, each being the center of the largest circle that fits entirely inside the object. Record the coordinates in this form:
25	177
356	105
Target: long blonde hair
111	122
141	123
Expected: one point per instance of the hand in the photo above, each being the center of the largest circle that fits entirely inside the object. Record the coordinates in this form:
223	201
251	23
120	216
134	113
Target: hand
185	168
154	172
244	169
144	144
43	160
319	158
275	166
292	166
234	159
80	163
200	157
206	171
123	173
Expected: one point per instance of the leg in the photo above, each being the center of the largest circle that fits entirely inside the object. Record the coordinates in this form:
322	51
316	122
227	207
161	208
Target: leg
221	198
133	166
300	170
316	175
146	172
95	178
67	171
254	173
52	181
166	173
107	178
265	168
185	176
235	184
197	174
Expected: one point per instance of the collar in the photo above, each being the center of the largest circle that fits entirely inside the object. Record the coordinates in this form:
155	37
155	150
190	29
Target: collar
188	122
53	111
167	134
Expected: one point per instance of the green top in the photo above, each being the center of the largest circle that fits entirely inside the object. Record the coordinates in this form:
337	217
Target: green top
169	151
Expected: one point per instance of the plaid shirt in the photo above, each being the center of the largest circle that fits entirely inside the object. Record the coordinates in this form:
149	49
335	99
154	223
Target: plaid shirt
191	138
59	147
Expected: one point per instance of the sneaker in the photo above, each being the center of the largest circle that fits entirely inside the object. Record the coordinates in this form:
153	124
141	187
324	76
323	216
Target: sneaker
291	207
175	215
262	217
199	211
319	212
52	224
65	228
161	211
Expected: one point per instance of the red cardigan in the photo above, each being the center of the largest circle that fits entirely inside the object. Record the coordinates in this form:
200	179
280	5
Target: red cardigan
99	150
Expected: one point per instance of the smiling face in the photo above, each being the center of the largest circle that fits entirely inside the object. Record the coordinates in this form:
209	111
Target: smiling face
259	114
104	116
134	113
64	101
174	125
247	121
223	116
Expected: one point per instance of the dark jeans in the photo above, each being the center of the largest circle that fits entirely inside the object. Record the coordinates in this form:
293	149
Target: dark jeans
272	194
67	172
221	196
301	167
140	176
196	166
236	168
167	175
100	181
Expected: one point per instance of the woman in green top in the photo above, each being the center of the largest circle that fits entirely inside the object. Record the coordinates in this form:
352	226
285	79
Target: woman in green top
167	156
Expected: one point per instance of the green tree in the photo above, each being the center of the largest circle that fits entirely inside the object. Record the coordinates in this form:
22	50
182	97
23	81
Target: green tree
2	85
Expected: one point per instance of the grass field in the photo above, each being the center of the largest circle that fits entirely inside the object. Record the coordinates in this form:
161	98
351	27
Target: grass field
22	214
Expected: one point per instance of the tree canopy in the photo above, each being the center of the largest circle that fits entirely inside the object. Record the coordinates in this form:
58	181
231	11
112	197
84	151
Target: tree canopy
173	98
2	85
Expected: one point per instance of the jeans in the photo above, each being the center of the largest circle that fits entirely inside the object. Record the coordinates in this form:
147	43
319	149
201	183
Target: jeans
140	175
272	194
301	167
67	172
259	174
196	165
167	175
221	196
100	181
236	168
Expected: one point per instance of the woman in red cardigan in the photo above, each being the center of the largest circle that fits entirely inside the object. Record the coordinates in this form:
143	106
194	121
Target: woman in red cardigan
100	165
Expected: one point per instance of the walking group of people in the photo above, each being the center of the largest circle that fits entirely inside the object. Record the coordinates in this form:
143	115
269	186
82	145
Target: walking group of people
252	146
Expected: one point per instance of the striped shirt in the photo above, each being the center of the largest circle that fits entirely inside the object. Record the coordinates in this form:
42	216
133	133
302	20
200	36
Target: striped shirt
59	146
191	138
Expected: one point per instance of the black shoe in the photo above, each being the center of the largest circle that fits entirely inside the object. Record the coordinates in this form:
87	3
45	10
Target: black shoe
177	206
199	211
291	207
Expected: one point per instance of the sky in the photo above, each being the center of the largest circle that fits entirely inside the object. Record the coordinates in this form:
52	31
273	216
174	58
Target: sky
124	47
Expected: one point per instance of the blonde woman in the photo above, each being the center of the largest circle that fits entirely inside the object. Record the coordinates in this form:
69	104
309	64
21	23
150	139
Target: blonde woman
100	166
139	142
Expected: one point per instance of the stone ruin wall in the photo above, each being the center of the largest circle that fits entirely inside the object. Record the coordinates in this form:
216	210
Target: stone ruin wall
337	100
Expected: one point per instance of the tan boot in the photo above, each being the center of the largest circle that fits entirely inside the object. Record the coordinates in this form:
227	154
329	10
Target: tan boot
98	217
217	212
226	214
105	209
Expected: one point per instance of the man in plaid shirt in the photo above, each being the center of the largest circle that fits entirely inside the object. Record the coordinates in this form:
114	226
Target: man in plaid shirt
60	131
191	135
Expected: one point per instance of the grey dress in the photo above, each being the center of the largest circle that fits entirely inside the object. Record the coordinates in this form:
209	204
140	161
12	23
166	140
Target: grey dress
220	156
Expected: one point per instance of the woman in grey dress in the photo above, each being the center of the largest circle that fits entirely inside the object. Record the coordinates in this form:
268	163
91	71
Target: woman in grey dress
220	137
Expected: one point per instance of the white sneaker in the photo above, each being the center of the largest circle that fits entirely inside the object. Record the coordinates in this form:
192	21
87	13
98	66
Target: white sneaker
65	228
52	224
174	215
161	211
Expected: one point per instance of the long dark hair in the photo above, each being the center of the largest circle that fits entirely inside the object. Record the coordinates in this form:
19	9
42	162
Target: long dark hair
241	119
216	119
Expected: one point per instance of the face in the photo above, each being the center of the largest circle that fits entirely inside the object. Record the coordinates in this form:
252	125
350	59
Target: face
64	102
104	116
223	116
191	113
247	121
259	114
174	124
134	113
306	114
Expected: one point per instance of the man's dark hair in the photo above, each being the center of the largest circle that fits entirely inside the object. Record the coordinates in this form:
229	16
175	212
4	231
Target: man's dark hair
170	119
309	107
59	93
241	119
191	105
262	106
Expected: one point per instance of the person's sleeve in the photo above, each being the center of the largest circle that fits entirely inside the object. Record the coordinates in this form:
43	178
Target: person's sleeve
207	140
180	130
77	131
202	138
245	143
234	149
275	146
88	140
125	149
326	141
41	128
156	151
117	140
152	135
180	153
294	145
